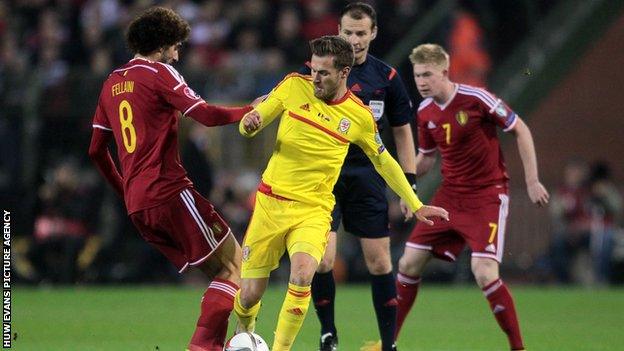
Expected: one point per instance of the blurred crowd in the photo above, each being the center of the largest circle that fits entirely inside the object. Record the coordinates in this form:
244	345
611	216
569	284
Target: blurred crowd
587	215
54	56
247	44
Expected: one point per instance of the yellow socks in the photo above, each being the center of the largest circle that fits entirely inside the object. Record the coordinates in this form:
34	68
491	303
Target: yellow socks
246	316
291	316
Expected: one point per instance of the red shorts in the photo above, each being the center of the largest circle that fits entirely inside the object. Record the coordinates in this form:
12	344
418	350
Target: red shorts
477	219
185	228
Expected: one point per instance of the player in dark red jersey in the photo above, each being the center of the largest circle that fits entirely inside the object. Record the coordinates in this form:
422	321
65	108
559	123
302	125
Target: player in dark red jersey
461	121
139	106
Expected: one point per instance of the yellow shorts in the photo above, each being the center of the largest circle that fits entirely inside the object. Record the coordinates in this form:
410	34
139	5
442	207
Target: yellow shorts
278	225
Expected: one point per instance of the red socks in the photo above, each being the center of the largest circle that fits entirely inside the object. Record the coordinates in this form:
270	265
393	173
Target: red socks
216	305
407	289
502	306
497	294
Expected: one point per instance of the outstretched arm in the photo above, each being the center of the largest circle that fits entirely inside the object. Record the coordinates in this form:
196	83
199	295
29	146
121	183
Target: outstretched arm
213	115
101	157
526	148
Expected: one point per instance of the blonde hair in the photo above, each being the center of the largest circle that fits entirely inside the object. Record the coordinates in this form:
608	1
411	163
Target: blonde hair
430	54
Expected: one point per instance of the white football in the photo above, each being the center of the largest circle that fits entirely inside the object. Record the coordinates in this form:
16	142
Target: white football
246	342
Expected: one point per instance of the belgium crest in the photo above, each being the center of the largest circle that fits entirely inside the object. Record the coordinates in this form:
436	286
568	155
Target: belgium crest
462	118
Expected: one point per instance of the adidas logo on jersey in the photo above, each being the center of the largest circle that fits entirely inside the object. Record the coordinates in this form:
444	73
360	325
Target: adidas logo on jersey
431	125
491	248
305	107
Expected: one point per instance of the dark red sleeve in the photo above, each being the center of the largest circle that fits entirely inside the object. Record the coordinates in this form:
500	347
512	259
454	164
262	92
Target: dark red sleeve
212	115
101	157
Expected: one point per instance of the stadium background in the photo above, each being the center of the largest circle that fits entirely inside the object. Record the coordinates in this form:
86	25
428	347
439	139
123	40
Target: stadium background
558	64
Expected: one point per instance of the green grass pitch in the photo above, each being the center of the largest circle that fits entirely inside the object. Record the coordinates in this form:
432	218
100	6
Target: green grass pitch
445	318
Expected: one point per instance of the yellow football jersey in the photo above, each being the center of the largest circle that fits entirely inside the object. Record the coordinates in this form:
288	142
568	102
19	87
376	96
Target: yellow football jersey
313	139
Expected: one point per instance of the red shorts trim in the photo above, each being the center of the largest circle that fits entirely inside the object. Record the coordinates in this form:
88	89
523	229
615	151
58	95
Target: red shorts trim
186	228
478	220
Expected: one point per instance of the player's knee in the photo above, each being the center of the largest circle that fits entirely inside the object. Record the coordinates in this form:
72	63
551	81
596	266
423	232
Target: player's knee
301	276
231	273
326	265
409	266
250	297
485	273
379	265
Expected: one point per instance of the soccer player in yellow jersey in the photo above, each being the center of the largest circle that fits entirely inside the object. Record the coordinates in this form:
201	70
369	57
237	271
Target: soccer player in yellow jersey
319	118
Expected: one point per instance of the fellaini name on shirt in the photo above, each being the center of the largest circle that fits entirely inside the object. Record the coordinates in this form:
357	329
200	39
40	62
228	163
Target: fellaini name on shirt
127	86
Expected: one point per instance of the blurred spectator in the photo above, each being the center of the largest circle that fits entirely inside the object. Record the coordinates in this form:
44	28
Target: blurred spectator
210	33
68	208
248	54
471	62
606	217
270	73
13	89
288	37
571	218
586	211
319	19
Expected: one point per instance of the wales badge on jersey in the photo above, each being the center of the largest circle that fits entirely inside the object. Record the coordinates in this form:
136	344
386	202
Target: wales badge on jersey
344	125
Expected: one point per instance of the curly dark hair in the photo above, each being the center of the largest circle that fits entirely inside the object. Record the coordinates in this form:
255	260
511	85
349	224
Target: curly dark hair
156	28
336	46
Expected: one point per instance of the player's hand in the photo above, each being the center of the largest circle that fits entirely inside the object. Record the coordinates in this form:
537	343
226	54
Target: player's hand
426	212
537	193
407	213
258	100
252	121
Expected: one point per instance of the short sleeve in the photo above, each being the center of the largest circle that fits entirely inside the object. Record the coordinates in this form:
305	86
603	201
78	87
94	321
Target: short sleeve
100	120
426	143
497	111
173	88
399	106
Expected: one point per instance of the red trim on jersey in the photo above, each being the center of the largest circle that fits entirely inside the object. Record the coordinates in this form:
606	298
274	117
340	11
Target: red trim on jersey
341	100
268	191
304	76
393	73
318	126
359	101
